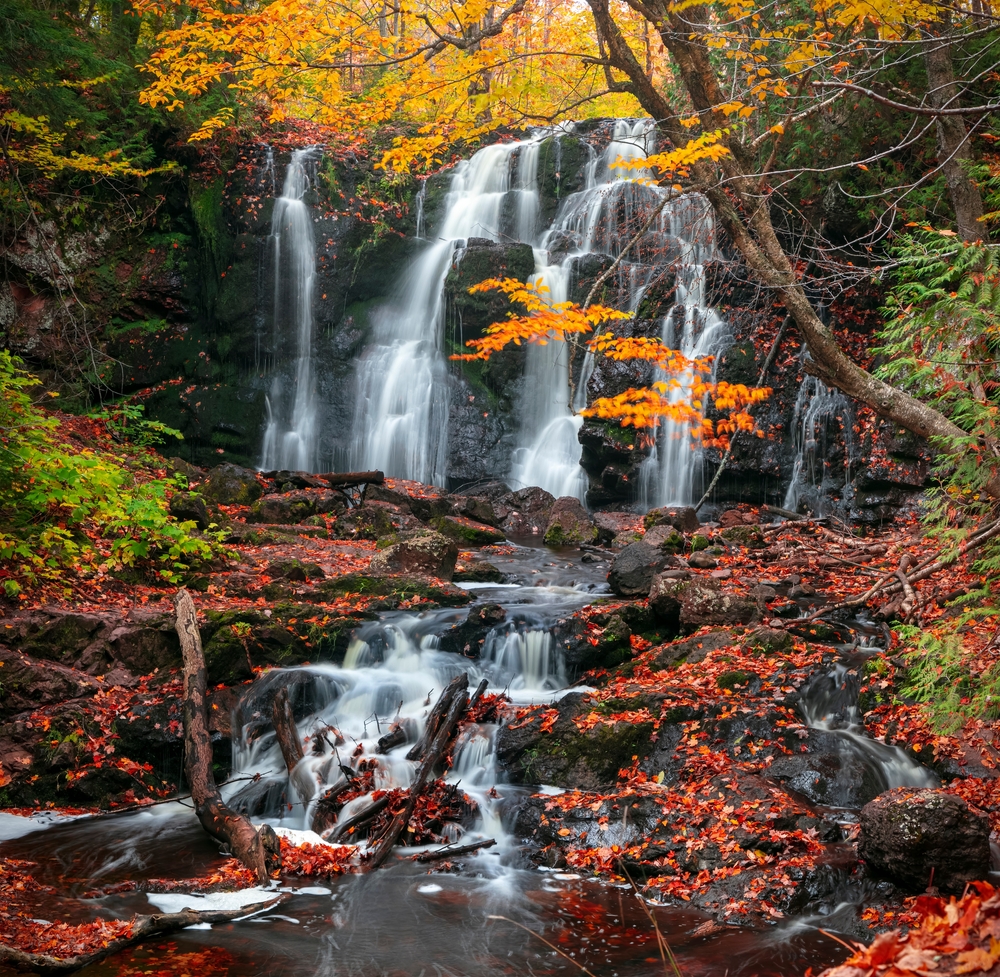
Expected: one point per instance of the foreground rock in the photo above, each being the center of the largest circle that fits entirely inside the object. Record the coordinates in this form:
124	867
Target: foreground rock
909	833
634	568
569	524
422	551
231	485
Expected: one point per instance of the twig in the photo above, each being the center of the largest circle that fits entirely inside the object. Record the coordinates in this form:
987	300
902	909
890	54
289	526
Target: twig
450	852
565	956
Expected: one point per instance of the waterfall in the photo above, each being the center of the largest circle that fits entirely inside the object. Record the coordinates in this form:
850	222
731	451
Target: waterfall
599	219
671	473
401	408
290	438
817	406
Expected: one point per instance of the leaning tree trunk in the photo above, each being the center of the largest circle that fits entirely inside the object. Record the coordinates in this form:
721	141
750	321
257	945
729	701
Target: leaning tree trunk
259	849
954	149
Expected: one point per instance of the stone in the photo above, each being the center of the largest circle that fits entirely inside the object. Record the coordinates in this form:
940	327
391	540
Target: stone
476	507
731	517
768	641
633	569
189	507
690	604
681	517
665	537
611	524
569	524
28	683
702	561
467	531
290	508
744	535
478	572
525	512
420	551
231	485
626	538
908	832
295	570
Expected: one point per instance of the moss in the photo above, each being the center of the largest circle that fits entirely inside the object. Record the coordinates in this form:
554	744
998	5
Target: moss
207	210
729	680
465	533
744	536
604	750
699	543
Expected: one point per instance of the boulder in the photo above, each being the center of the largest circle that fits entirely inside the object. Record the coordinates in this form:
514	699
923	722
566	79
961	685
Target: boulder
29	683
633	569
569	524
744	535
295	570
231	485
681	517
691	604
612	524
295	506
665	537
525	512
908	832
421	551
478	572
476	507
467	531
189	507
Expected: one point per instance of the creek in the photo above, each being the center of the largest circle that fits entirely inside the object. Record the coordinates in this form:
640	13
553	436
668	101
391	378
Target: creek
404	919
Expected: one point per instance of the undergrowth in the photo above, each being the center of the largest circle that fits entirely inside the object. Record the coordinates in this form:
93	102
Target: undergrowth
83	509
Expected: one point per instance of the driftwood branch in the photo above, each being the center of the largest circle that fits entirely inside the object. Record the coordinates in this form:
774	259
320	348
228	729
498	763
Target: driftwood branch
437	749
286	730
258	850
441	707
143	928
453	852
368	813
344	479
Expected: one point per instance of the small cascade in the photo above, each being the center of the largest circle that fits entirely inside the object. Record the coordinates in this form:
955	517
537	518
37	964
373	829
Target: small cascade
291	436
818	414
401	411
829	705
392	673
672	472
599	219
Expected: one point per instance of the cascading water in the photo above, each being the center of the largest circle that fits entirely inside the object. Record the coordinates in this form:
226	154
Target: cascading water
671	473
291	435
818	411
401	412
402	383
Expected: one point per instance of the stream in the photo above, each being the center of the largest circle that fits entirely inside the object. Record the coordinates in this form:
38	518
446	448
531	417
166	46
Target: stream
405	919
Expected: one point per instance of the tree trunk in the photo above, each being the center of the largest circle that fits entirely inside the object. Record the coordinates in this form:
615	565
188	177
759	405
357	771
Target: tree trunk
954	150
259	850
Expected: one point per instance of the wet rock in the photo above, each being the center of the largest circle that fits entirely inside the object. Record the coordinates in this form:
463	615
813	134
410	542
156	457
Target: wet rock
633	569
28	683
665	537
906	833
830	774
189	507
768	641
694	603
373	520
295	506
702	561
231	485
566	757
421	551
468	637
525	512
467	531
569	524
693	649
295	570
476	507
611	524
681	517
744	535
478	572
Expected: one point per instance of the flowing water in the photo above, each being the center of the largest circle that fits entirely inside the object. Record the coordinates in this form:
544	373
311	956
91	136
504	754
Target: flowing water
292	434
404	920
402	379
819	413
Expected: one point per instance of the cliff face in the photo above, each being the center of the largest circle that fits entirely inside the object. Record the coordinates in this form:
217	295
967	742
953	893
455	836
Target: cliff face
176	305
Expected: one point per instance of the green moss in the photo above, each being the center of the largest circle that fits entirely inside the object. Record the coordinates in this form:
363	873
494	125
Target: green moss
744	536
699	543
464	533
730	680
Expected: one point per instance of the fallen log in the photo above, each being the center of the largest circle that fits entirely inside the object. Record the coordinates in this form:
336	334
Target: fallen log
325	815
259	850
451	852
436	750
347	479
286	730
395	737
366	814
143	928
441	707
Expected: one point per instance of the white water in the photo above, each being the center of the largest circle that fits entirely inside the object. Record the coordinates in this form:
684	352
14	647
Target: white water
819	411
401	411
291	436
672	472
827	709
393	674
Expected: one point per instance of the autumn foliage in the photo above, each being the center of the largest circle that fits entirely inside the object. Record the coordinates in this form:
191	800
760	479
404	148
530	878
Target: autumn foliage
684	387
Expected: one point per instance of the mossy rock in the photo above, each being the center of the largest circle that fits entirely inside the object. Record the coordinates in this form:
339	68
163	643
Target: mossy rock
699	543
465	530
730	680
750	536
478	572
